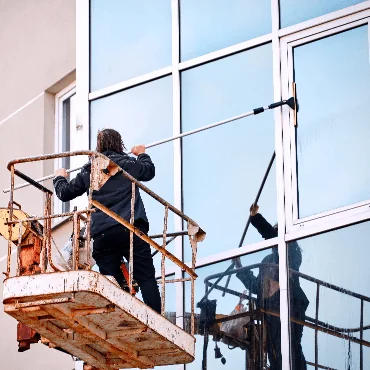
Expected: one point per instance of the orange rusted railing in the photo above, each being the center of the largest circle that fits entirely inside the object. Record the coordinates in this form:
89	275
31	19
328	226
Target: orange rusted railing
101	169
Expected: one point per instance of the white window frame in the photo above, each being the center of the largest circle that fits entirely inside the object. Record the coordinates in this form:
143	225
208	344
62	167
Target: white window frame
298	227
60	98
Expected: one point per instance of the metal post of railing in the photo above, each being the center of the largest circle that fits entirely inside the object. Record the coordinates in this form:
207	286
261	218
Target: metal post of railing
88	222
193	244
47	226
10	226
76	235
163	263
361	335
316	326
19	248
132	221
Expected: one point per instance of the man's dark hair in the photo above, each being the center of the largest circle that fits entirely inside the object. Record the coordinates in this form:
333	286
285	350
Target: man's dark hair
109	140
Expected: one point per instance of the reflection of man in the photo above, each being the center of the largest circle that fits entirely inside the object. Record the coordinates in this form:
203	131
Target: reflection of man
266	286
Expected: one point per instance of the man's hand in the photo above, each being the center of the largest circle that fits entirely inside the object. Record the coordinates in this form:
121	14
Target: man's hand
238	263
138	149
254	209
61	172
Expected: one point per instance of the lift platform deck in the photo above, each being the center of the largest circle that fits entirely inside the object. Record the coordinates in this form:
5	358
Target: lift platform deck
89	316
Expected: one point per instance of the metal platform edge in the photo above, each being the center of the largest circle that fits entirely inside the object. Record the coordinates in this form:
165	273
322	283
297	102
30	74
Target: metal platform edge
26	287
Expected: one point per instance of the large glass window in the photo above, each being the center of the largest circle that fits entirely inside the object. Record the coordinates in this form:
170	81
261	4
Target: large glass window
252	338
209	25
296	11
223	167
143	115
68	137
333	79
329	291
128	39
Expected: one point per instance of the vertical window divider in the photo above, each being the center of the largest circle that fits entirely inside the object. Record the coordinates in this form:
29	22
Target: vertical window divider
176	96
279	150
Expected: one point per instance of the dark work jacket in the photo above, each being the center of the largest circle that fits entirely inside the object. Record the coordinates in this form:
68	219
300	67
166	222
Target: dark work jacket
115	194
299	301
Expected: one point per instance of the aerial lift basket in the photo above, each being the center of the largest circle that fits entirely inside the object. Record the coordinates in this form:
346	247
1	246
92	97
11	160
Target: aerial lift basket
83	312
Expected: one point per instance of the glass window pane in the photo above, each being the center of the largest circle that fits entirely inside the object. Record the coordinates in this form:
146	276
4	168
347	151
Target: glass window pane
333	79
296	11
128	39
338	262
253	289
209	25
143	115
223	167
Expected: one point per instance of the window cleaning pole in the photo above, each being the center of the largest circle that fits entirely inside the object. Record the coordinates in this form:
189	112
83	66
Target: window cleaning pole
231	267
249	218
290	102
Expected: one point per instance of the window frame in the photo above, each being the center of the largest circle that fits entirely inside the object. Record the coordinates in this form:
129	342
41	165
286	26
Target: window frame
60	98
338	216
280	38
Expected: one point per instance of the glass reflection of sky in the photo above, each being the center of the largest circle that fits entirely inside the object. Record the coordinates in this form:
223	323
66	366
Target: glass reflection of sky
223	167
128	39
333	79
296	11
340	258
209	25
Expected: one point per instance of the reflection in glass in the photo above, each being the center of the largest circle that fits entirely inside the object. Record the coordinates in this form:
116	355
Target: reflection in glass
333	79
143	115
128	39
250	340
223	167
209	25
334	276
296	11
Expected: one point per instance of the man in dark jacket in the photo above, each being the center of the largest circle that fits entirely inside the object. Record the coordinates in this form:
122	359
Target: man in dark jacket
111	239
266	286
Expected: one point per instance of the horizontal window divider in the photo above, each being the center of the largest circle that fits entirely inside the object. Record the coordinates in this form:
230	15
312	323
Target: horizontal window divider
235	252
136	81
230	50
321	226
342	13
355	207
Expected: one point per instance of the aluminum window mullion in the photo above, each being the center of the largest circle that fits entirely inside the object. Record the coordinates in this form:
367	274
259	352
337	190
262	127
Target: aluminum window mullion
176	111
309	229
136	81
236	252
280	189
83	68
286	137
242	46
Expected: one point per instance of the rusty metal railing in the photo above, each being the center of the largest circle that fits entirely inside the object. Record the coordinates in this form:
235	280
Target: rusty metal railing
101	169
312	323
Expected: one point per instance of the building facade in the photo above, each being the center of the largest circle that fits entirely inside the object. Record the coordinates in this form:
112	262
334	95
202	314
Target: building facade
153	70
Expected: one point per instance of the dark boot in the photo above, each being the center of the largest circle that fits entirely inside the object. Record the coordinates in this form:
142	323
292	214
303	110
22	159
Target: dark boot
150	293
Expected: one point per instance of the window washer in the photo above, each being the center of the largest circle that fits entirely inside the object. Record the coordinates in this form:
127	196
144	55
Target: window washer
111	239
266	286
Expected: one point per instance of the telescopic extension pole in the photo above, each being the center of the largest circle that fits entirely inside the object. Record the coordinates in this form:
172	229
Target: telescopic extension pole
243	236
249	218
290	102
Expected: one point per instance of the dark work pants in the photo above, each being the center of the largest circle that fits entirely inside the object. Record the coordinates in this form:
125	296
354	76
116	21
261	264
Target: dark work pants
114	243
274	345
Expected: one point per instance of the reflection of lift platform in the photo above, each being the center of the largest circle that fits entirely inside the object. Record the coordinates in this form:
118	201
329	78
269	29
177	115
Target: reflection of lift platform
90	317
